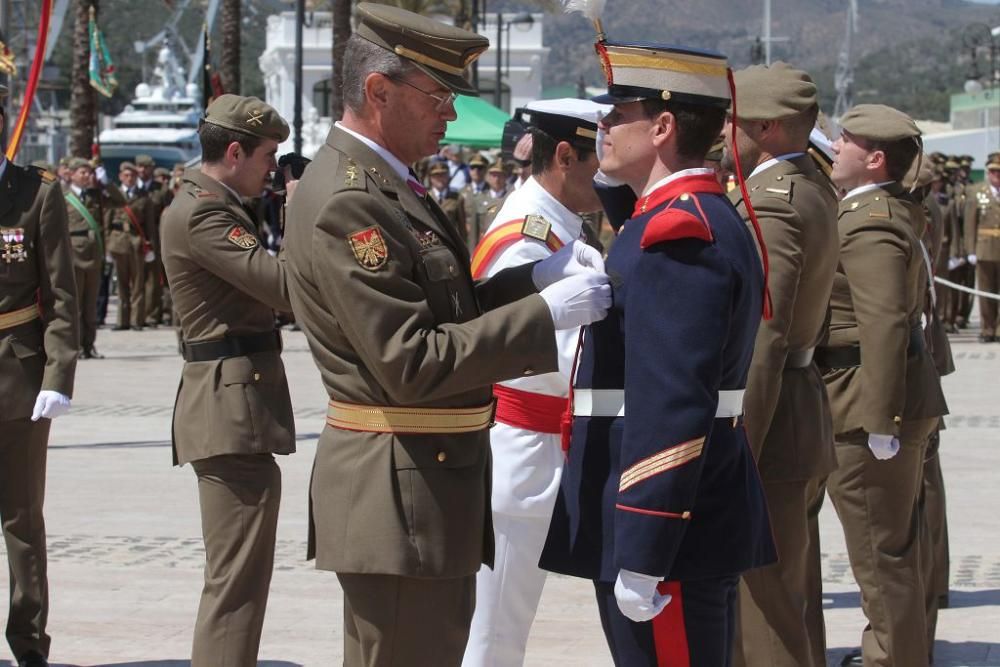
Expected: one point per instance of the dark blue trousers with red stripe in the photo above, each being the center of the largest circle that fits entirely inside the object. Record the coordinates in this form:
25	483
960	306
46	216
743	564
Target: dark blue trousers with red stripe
694	630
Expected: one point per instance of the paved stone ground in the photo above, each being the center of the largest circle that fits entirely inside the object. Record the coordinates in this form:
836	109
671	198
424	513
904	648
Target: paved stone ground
125	544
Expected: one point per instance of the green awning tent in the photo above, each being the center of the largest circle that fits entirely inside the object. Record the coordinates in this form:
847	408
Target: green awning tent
479	123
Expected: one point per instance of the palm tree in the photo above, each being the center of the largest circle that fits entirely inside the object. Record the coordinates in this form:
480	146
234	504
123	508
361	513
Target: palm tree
83	98
341	15
229	62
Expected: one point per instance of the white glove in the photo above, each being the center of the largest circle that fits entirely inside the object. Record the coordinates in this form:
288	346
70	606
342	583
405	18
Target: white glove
101	174
572	259
578	300
972	259
637	596
149	256
955	262
883	447
108	259
600	176
50	404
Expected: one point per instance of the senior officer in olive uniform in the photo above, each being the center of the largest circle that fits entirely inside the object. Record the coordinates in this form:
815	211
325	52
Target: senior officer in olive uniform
885	408
127	230
660	503
787	411
39	331
87	200
233	411
982	244
380	283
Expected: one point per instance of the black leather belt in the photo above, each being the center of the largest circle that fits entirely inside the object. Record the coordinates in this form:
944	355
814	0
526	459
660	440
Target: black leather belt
800	358
232	346
80	232
849	356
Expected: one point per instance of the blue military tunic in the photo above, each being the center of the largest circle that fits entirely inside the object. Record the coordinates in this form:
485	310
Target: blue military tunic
669	489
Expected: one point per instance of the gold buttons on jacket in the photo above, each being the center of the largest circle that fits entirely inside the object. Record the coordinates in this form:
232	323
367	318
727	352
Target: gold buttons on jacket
452	270
442	457
897	419
256	376
529	371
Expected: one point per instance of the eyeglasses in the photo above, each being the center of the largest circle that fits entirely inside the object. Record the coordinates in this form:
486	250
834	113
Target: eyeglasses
442	102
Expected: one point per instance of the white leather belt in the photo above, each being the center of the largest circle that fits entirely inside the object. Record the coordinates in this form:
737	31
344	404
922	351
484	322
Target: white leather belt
611	403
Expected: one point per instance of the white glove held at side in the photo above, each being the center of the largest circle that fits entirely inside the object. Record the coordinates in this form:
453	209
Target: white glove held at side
50	404
578	300
637	596
972	259
572	259
955	262
883	447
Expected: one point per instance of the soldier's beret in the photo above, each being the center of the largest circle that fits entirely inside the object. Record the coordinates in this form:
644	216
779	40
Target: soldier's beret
145	161
78	162
248	115
125	166
441	51
438	168
993	161
772	93
497	166
478	161
879	122
920	173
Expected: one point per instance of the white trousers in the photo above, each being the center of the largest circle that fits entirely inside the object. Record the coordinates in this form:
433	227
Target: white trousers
507	596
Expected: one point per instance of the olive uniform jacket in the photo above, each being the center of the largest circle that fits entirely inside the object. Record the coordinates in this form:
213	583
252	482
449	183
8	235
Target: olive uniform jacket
982	223
787	412
225	284
36	269
84	240
125	233
381	285
878	296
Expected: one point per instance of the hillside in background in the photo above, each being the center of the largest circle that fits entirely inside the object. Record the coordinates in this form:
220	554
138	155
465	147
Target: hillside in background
908	53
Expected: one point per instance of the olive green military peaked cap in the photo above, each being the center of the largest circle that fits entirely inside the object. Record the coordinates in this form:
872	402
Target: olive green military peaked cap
441	51
144	160
993	161
126	166
248	115
772	93
77	162
879	122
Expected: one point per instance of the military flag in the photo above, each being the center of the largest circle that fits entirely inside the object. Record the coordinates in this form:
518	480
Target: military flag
102	69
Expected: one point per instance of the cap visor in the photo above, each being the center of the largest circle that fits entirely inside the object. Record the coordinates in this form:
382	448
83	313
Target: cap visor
453	82
608	98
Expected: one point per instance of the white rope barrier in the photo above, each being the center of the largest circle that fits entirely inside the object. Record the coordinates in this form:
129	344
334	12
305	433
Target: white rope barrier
968	290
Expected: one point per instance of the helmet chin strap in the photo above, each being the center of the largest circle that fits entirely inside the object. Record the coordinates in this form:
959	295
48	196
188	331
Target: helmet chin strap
768	311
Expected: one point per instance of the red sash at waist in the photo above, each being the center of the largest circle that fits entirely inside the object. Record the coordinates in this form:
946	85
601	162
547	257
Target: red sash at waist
530	411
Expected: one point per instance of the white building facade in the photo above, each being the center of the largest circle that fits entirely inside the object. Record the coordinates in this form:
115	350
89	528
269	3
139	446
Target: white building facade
522	62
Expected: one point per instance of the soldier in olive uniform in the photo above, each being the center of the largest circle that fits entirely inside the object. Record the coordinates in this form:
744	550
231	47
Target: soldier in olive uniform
127	232
787	411
38	347
476	196
380	282
233	411
884	409
449	200
87	201
982	243
156	293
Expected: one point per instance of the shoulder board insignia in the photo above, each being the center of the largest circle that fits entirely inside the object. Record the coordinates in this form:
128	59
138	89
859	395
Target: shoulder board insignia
536	227
879	208
47	176
203	194
241	238
673	224
353	176
492	209
369	248
777	191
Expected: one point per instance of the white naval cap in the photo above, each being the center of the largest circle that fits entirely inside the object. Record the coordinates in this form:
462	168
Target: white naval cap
567	119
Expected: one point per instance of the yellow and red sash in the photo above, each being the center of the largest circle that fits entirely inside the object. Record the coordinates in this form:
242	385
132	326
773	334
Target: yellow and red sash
503	236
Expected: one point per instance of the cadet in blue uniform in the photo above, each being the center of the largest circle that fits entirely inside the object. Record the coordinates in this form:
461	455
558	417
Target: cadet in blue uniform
660	503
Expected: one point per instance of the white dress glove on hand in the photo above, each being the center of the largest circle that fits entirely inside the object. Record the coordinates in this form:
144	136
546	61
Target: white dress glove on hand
972	259
637	596
572	259
578	300
883	447
955	262
50	404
